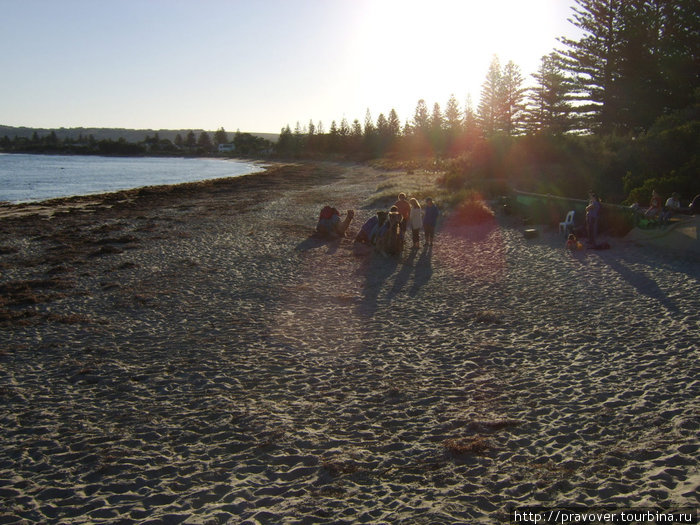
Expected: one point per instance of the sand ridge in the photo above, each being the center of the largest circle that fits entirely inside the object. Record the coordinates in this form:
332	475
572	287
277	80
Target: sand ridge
191	355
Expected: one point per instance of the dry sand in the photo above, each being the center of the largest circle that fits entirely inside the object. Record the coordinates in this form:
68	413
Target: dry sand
190	355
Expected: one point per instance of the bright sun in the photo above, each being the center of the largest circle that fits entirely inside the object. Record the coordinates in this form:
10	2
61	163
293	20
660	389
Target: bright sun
406	50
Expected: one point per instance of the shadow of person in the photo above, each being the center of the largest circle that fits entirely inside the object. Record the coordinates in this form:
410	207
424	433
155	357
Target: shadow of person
376	270
316	241
313	242
424	271
643	284
404	274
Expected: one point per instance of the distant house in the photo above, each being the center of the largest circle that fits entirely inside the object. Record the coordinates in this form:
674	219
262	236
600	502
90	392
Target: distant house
227	148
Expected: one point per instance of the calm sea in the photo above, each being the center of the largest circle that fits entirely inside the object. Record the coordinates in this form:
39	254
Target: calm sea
25	178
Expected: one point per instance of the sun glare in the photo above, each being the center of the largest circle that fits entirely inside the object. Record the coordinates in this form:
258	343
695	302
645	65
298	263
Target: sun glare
408	50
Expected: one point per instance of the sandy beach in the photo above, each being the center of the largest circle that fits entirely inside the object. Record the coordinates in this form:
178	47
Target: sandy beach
190	354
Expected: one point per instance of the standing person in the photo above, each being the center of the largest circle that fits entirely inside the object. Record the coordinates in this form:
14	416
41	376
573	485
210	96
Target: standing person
592	216
405	210
430	216
415	221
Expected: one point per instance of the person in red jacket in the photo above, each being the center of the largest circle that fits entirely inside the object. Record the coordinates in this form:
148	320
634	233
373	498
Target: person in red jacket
405	210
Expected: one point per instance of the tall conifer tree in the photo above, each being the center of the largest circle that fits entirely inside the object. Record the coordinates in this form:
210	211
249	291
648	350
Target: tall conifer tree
511	96
489	102
549	108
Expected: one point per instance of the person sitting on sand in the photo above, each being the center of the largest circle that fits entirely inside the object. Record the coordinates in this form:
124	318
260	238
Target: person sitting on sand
364	233
654	208
671	208
415	221
370	228
330	225
572	243
430	216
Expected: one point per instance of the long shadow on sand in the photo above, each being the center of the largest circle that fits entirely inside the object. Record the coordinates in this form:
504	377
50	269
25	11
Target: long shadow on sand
424	271
314	242
376	270
643	284
404	274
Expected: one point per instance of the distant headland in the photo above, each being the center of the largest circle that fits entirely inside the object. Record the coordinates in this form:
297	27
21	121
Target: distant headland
129	135
120	141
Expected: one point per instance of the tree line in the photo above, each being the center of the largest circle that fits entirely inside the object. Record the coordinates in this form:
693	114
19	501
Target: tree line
616	110
191	144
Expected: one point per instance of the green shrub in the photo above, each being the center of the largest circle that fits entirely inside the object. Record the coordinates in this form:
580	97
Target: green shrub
472	209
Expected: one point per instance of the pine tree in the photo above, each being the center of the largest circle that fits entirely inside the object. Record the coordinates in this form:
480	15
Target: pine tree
470	122
421	120
204	141
220	137
679	41
511	97
394	123
382	126
369	125
437	136
594	63
549	108
344	129
453	116
285	141
489	103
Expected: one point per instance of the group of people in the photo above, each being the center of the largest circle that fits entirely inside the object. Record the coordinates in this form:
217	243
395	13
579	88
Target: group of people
655	211
386	230
672	206
592	218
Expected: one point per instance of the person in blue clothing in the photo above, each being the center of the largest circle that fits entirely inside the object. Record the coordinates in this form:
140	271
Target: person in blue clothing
366	230
430	215
370	228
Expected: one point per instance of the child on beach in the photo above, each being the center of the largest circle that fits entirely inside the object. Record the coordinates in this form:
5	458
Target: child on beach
415	220
430	216
573	244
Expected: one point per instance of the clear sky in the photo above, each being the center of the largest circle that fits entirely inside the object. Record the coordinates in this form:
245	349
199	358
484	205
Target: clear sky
256	65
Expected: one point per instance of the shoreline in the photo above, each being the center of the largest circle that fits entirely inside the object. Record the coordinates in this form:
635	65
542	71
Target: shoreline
47	207
191	354
257	164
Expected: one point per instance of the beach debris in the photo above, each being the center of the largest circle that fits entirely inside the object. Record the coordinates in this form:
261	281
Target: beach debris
477	445
489	316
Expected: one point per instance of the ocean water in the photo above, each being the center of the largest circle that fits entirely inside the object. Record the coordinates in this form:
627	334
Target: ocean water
27	178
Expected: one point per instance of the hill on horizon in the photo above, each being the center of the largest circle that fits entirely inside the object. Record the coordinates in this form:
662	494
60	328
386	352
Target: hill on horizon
130	135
